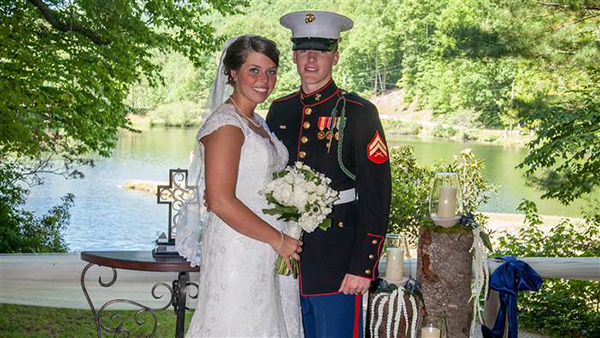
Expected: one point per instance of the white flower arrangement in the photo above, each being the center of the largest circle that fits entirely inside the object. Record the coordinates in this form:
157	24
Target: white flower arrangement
481	278
302	197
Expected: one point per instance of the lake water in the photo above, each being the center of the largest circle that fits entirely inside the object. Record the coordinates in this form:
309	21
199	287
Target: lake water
107	217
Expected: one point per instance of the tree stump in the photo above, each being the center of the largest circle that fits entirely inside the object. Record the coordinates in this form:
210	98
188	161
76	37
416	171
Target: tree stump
444	266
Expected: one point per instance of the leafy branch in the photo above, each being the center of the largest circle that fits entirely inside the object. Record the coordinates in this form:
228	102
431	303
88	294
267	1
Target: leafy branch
51	17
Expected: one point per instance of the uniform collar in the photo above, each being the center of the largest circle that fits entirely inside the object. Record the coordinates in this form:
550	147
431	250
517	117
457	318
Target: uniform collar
320	95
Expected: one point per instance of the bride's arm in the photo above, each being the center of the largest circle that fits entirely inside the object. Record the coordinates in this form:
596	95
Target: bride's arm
222	159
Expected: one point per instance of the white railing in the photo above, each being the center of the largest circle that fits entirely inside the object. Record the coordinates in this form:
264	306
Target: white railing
581	268
53	279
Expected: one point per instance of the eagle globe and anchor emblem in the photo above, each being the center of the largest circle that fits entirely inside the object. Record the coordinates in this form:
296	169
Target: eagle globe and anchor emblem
309	18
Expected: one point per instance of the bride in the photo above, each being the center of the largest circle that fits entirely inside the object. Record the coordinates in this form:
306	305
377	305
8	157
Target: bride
240	295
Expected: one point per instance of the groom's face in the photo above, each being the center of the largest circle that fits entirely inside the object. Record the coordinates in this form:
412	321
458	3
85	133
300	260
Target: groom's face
315	67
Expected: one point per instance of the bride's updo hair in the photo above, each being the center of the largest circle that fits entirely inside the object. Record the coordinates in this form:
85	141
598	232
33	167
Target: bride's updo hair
238	52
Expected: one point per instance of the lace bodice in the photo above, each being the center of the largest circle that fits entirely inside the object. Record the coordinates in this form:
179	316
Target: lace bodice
260	156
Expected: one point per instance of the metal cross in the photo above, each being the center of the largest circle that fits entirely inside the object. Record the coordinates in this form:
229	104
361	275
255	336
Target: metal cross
176	194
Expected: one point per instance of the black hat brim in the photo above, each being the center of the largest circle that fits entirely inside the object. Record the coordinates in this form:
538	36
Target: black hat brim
314	44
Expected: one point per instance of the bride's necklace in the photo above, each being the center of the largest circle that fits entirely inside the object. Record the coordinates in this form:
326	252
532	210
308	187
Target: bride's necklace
239	111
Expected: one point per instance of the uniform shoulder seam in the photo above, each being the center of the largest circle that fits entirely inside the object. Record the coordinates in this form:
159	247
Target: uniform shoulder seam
355	102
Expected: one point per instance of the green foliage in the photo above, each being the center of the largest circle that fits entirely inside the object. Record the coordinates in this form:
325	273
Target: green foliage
67	66
410	191
560	101
182	114
368	51
21	230
564	157
411	184
444	132
395	127
562	308
65	72
469	135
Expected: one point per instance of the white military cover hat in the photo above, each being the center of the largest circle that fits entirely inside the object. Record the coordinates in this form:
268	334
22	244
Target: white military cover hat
317	30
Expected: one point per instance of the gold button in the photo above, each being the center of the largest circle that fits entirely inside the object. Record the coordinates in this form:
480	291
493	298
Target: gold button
306	125
371	256
374	241
368	272
304	139
302	154
307	111
341	224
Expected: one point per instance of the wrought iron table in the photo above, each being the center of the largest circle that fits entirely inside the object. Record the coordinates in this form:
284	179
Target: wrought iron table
141	261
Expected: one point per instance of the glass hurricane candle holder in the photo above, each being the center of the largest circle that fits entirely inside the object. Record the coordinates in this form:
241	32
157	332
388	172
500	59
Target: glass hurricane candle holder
445	199
394	256
434	328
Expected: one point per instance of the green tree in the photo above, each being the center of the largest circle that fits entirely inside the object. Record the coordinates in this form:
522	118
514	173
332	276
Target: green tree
65	71
564	107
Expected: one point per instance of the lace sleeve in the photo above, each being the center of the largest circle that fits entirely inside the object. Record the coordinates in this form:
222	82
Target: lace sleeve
223	116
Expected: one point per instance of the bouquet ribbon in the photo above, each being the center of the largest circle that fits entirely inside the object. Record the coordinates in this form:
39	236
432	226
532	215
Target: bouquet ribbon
510	277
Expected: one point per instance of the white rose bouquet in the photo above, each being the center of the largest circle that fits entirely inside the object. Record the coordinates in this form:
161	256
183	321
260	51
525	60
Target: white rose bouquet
302	197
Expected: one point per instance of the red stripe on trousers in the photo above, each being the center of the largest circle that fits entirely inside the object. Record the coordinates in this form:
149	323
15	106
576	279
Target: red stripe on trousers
356	315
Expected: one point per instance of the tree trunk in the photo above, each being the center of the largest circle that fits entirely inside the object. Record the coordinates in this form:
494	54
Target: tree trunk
444	270
376	76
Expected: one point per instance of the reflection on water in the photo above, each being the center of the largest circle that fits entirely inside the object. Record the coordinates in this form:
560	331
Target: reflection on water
107	217
500	168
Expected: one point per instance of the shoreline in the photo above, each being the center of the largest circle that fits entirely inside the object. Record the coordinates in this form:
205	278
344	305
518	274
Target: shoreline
498	222
398	123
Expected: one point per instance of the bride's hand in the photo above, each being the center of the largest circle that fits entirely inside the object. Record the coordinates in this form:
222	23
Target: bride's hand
290	247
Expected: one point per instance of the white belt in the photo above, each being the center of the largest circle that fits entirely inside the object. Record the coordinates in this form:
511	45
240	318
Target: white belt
346	196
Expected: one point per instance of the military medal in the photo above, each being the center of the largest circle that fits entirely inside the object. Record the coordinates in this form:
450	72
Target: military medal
336	125
321	124
330	123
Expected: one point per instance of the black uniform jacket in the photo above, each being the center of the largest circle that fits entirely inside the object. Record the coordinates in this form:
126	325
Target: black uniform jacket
353	243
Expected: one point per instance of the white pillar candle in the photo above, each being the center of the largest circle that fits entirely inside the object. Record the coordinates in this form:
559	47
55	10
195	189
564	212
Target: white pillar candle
394	267
447	202
430	332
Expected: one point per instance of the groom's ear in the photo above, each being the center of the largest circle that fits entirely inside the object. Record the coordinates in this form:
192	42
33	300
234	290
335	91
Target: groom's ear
294	56
336	57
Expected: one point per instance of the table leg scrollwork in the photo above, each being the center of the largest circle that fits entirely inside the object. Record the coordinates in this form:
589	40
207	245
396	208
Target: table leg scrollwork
116	325
189	294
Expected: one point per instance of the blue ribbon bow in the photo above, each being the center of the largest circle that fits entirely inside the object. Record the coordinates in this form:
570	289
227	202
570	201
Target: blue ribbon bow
510	277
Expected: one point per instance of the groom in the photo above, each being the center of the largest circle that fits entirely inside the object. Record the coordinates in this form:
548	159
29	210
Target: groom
338	134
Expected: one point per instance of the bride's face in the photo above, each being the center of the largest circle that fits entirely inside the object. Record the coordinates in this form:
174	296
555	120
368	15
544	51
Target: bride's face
256	78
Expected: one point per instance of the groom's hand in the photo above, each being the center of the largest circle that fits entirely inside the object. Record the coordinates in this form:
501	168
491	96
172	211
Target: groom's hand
353	284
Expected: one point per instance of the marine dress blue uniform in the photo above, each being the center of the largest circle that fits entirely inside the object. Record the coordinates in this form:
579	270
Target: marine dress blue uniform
340	135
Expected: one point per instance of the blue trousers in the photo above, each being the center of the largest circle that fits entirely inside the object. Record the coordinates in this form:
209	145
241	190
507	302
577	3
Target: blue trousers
332	316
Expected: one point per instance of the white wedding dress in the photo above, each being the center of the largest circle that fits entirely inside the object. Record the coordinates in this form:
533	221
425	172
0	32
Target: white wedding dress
240	295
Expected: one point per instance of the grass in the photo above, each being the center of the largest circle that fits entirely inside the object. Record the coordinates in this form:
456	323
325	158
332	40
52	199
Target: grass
35	321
